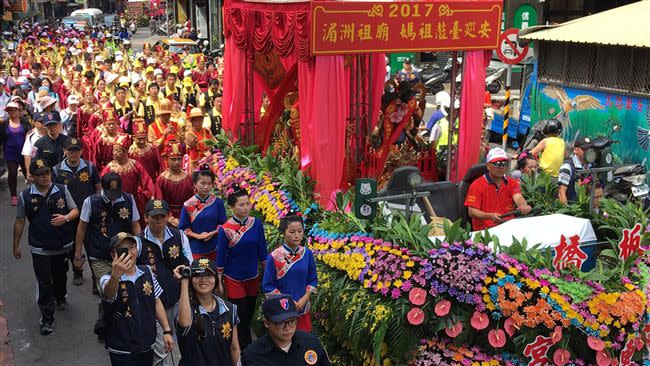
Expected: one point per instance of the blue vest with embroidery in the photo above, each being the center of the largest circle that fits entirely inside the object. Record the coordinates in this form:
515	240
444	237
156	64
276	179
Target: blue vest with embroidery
79	184
215	342
39	211
163	263
106	221
131	319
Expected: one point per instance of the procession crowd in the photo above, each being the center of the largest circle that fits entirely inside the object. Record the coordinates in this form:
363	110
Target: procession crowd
109	142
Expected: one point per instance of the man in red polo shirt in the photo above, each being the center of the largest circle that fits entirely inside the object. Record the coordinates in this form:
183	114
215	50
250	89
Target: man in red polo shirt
494	194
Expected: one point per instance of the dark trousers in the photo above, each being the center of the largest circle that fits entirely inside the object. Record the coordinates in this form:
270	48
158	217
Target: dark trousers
136	359
12	178
245	311
80	271
51	274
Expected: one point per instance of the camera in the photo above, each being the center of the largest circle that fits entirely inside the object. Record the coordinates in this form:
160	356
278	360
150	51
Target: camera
188	272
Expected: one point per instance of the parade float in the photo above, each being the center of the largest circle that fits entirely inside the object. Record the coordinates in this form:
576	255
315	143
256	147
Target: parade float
390	295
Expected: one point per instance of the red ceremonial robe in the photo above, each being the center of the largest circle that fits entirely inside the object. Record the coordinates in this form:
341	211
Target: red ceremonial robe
135	180
148	157
175	190
87	120
101	152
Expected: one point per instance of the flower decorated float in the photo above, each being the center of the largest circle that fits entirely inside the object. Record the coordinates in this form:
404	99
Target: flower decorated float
389	295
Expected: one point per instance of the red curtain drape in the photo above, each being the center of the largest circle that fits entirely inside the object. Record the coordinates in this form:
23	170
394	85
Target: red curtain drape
283	28
305	95
471	110
378	75
330	104
234	84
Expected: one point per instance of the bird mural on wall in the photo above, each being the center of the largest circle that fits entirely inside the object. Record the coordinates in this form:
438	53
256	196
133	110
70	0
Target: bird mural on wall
568	105
643	134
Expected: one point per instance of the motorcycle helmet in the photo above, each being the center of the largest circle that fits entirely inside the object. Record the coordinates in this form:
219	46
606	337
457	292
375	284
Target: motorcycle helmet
553	127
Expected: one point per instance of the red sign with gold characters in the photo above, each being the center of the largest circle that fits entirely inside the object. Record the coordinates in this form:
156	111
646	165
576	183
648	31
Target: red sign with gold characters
344	27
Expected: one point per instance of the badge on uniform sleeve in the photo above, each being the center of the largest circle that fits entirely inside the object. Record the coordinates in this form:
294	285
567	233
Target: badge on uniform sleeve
311	357
123	213
147	288
174	251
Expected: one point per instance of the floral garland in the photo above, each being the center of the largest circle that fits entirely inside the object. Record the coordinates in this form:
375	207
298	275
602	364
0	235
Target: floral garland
503	291
265	194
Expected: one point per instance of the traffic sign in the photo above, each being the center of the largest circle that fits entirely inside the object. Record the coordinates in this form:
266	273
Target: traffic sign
509	51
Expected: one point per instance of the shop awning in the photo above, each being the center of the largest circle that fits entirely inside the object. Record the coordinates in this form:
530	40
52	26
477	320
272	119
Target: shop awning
627	25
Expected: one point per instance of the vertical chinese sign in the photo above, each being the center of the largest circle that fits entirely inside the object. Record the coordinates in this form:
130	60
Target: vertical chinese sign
358	27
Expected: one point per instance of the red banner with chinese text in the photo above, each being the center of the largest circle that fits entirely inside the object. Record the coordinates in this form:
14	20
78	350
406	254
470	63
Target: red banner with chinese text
342	27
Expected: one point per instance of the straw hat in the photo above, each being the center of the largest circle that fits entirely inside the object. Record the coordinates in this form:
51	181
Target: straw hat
196	112
164	107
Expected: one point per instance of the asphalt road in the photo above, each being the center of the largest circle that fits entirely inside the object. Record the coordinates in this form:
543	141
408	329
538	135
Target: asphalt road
73	341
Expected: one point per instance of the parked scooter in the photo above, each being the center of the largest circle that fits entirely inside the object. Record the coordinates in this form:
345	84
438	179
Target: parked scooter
628	182
492	78
433	79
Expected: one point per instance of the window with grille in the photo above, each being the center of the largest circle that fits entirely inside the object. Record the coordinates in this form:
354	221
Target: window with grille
610	68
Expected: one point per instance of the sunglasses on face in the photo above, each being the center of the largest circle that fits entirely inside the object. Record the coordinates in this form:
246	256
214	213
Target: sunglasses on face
500	164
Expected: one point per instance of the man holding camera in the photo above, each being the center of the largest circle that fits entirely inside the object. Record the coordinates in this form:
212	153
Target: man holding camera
103	215
50	210
163	249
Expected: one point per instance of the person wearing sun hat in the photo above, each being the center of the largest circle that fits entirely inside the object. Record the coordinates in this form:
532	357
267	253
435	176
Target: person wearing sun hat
50	209
195	137
494	194
163	129
189	93
13	132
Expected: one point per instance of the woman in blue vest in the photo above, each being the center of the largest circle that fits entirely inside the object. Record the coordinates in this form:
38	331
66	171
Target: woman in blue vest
241	248
291	270
202	215
206	324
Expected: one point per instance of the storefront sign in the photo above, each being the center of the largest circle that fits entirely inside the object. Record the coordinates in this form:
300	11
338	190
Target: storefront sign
356	27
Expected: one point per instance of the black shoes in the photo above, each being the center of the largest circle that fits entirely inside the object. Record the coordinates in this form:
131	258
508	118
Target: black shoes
46	327
61	305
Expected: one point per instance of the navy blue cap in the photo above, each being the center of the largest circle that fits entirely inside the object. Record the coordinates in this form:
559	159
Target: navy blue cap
279	308
51	117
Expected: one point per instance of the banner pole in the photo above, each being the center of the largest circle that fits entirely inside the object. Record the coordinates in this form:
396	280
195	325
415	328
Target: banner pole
506	107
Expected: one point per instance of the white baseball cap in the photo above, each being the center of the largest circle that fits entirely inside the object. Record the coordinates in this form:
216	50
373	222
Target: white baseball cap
119	58
151	61
496	154
157	71
73	99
